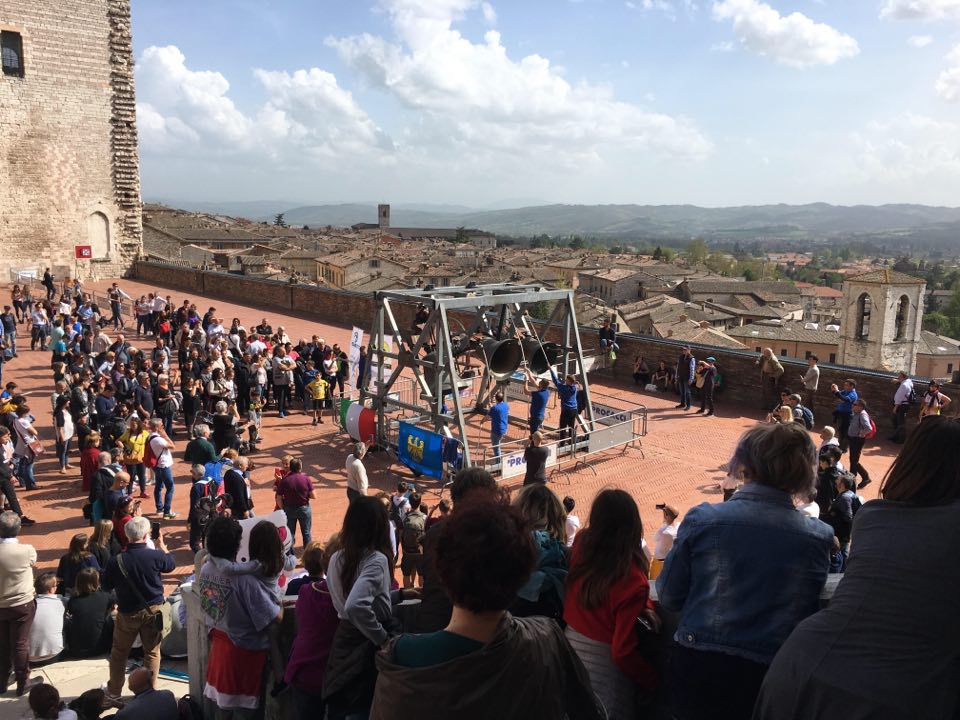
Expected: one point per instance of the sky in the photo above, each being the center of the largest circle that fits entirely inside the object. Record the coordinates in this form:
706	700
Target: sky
489	103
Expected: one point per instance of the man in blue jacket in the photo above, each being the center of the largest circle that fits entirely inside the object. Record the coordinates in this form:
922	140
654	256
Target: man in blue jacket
568	403
539	392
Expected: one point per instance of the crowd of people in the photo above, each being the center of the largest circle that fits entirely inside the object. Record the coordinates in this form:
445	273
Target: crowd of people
490	603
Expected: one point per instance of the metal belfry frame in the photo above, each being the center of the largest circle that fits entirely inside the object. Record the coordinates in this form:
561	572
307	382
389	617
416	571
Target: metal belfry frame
481	314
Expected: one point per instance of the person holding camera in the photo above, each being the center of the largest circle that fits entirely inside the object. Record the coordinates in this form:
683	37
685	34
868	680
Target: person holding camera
135	575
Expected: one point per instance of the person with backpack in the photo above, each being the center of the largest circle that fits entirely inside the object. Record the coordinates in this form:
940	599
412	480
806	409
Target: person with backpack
861	429
411	540
158	456
135	575
801	413
904	397
203	504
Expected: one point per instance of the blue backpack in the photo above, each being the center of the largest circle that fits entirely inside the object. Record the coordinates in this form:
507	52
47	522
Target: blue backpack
214	471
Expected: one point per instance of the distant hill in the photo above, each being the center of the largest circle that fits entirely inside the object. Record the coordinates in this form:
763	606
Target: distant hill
810	222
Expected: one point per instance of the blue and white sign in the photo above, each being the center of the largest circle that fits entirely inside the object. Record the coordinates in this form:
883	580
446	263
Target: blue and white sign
606	415
514	464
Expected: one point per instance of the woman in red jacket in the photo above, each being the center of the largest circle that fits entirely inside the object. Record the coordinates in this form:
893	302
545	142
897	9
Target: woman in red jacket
89	459
607	589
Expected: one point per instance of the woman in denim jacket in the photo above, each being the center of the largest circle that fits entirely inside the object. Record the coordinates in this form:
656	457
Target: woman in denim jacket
742	574
888	644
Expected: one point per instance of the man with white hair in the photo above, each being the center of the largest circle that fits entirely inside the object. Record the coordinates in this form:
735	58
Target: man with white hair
135	575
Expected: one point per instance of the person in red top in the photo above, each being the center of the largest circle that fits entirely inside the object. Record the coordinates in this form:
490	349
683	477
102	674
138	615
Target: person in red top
607	590
127	508
294	493
89	459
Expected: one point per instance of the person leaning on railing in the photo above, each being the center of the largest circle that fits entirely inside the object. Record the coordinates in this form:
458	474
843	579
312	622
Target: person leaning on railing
887	645
742	574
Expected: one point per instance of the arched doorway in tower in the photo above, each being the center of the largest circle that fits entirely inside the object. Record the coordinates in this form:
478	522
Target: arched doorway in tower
98	235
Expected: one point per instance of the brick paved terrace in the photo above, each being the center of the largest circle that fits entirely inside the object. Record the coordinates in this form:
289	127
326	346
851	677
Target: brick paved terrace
682	461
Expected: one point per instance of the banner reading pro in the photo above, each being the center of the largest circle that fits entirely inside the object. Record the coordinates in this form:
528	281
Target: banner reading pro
420	450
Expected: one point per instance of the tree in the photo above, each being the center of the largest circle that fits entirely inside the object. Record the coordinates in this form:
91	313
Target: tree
278	221
937	323
615	250
658	253
577	243
749	274
667	255
306	227
461	235
697	251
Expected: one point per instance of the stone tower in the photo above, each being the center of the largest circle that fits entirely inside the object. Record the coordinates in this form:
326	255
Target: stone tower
69	163
882	315
383	215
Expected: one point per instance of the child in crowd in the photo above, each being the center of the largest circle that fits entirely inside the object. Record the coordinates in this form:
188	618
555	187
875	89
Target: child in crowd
46	635
279	474
46	704
828	471
317	391
443	508
254	413
270	557
317	623
573	521
828	438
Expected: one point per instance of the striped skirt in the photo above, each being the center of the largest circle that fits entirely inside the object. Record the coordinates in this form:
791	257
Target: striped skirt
615	690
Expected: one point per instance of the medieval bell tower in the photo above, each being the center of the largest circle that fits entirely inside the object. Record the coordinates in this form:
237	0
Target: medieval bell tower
882	316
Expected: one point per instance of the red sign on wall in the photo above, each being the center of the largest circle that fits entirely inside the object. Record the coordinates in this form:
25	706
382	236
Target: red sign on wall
83	252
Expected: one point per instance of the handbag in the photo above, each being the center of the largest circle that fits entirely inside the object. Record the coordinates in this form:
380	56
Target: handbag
36	447
163	618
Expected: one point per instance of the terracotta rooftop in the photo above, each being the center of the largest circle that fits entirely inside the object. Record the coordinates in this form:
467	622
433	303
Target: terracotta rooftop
886	276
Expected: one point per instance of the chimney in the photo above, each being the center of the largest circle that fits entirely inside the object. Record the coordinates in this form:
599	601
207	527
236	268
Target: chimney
684	318
704	324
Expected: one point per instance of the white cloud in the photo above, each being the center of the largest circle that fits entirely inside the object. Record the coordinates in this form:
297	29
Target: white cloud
948	84
907	149
725	47
489	14
793	40
920	9
185	110
473	98
920	41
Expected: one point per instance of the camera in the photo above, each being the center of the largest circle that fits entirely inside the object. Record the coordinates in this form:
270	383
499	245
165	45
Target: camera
155	530
661	506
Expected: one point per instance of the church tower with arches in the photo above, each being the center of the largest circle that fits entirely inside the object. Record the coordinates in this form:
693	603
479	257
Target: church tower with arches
882	316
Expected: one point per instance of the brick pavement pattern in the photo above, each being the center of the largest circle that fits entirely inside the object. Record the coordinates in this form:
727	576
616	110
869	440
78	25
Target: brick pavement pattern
682	462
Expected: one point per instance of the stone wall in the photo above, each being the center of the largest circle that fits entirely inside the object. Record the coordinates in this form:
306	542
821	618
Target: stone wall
741	375
69	165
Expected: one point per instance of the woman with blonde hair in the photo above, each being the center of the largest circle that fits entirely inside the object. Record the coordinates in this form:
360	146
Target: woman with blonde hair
134	444
543	592
100	542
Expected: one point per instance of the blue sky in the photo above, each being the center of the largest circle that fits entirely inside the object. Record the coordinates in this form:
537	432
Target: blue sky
711	102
